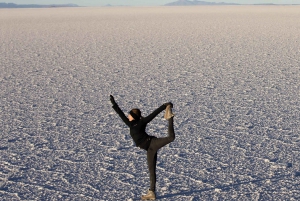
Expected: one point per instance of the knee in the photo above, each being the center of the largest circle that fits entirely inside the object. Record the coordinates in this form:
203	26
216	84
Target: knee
172	138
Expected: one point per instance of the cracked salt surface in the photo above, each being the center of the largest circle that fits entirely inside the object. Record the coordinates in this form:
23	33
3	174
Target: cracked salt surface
232	73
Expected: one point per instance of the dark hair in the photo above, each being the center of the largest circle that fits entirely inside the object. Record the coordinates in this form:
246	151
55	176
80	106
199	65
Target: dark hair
135	113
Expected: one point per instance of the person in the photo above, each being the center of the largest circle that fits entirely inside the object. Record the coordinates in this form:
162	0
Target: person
137	124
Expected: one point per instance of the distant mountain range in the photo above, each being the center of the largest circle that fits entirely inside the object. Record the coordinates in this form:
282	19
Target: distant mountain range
13	5
198	3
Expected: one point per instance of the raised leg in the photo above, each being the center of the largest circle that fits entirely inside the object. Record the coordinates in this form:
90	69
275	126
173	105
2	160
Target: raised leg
157	143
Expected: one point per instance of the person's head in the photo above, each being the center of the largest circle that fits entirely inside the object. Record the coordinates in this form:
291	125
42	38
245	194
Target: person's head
134	114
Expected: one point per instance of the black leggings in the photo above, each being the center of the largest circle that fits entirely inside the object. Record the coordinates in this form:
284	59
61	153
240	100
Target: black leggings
155	145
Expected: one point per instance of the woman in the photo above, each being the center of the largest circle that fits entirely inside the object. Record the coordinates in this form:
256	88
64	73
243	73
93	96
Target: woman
151	144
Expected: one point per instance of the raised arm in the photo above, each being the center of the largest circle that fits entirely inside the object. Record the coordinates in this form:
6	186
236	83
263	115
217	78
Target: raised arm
119	111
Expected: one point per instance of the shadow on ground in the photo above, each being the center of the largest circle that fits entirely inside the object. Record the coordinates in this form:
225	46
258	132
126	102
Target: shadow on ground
226	187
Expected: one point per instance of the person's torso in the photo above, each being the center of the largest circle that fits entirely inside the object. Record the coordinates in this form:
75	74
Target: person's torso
138	132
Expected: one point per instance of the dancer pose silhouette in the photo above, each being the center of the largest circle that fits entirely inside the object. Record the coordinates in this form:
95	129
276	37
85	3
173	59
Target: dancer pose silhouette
137	124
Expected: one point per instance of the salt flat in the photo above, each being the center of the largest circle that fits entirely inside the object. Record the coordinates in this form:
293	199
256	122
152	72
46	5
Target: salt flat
232	72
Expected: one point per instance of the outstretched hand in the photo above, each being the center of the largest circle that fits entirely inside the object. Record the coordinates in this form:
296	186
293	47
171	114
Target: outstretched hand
112	100
169	103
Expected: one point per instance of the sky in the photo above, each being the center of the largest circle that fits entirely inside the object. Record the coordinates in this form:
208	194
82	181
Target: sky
139	2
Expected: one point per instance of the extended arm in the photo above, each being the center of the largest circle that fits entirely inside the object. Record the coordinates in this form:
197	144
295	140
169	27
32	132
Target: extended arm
156	112
119	111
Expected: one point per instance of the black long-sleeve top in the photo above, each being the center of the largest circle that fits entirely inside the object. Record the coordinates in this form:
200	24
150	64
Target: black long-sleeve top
138	127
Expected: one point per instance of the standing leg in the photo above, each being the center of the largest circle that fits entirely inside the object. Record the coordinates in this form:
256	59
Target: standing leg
152	159
155	145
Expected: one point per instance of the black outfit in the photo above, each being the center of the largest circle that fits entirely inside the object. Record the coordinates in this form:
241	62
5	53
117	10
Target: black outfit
149	143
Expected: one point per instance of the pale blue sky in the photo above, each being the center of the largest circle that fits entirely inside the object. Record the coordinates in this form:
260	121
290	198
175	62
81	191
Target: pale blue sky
139	2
